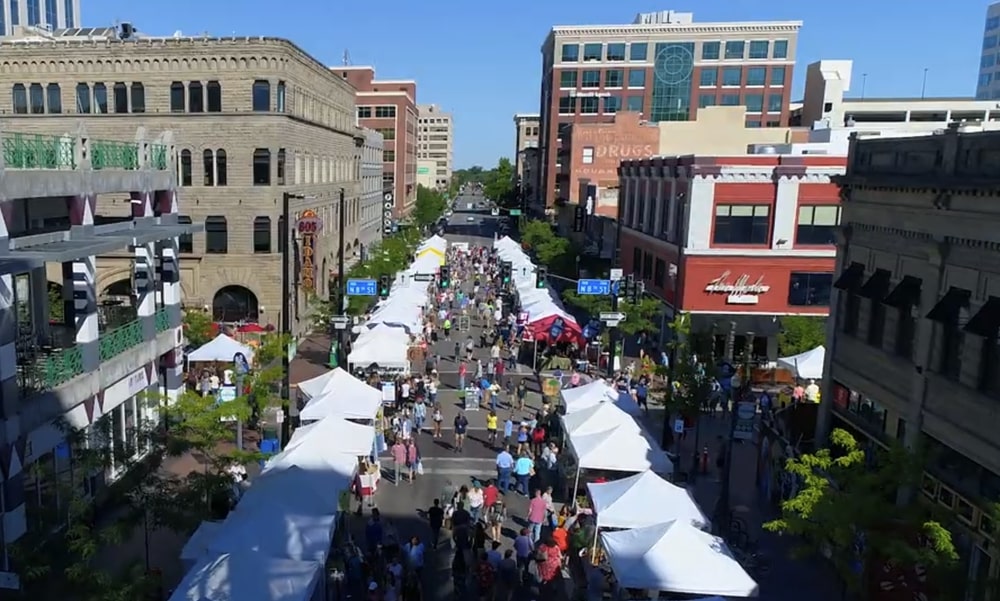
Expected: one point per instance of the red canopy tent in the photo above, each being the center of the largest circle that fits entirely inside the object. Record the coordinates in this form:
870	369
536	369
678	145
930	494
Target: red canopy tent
541	330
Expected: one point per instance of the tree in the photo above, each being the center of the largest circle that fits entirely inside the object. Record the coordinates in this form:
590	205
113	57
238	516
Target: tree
429	207
800	333
845	510
197	327
498	184
57	308
691	373
639	316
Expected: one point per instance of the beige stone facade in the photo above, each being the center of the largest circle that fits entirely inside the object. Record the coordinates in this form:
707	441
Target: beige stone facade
307	126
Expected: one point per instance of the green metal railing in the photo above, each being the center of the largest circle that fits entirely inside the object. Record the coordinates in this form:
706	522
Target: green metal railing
34	151
120	339
61	366
162	320
158	156
109	154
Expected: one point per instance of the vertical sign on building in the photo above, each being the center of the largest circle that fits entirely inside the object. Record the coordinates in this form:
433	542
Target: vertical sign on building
387	206
309	225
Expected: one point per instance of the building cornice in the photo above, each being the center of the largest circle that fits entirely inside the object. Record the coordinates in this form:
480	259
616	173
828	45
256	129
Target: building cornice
679	30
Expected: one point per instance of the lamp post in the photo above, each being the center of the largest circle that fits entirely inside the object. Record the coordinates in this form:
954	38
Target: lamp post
286	308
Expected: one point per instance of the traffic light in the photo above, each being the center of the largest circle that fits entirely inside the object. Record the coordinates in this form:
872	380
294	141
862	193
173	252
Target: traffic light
505	271
445	280
540	274
383	285
627	287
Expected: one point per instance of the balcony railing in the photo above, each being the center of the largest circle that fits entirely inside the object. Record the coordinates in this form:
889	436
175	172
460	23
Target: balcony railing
33	151
120	339
162	320
158	156
108	154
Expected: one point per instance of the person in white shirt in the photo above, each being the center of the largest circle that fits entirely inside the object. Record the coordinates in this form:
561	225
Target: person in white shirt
812	392
406	391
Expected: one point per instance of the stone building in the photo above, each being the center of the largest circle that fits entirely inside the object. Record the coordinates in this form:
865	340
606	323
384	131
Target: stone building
256	118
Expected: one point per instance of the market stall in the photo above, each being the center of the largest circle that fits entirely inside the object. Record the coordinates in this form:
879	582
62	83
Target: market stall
220	349
296	489
248	575
595	393
599	418
644	499
807	365
342	395
332	435
618	449
276	531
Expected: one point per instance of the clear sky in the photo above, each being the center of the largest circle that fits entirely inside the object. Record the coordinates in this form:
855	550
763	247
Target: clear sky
482	61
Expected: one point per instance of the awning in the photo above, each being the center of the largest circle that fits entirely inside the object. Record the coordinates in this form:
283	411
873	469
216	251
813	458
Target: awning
877	286
986	321
850	278
905	294
718	323
946	310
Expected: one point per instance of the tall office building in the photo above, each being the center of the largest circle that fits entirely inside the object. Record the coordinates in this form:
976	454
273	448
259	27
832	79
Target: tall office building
664	66
46	14
526	157
988	86
435	145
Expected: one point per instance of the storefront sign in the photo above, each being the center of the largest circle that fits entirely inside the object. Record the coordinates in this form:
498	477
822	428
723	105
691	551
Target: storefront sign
309	225
740	291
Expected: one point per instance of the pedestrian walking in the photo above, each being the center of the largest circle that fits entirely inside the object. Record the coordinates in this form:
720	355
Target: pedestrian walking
537	515
437	417
491	428
505	467
461	427
435	518
399	453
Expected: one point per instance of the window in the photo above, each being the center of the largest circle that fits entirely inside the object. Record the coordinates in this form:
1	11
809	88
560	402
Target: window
659	272
730	100
634	104
710	51
20	99
262	235
216	235
780	49
706	100
82	99
989	41
15	14
636	78
208	164
770	123
591	79
37	97
389	156
589	106
777	76
759	49
734	50
756	76
261	96
817	224
754	104
612	104
852	312
709	78
593	52
385	112
567	78
101	98
282	235
732	76
281	97
614	78
50	13
775	103
876	321
53	96
185	242
636	261
213	97
987	61
647	265
120	91
637	52
262	167
177	97
281	167
388	133
752	123
196	97
570	53
742	224
616	52
588	155
567	105
221	177
809	289
364	112
138	97
185	167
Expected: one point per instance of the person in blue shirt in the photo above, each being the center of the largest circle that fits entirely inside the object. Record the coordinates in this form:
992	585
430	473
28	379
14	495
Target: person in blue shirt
523	468
505	466
508	429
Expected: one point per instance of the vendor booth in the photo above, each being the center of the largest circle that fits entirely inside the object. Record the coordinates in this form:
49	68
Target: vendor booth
599	418
333	435
220	349
807	365
676	557
297	490
619	449
248	575
595	393
642	500
342	396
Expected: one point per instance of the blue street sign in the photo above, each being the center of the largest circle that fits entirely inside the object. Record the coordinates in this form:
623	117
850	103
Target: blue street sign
593	287
362	288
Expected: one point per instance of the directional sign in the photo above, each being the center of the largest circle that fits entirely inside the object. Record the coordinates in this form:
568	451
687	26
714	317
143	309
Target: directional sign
340	321
515	212
615	316
362	288
593	287
423	277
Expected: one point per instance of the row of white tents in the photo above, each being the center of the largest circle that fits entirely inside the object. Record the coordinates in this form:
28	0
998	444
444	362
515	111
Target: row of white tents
538	303
658	541
384	339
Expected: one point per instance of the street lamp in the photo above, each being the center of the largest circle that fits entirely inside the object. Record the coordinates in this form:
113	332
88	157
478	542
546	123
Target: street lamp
341	292
286	308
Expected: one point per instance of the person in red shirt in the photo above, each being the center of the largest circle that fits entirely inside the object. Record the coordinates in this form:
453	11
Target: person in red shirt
561	539
538	439
549	567
490	494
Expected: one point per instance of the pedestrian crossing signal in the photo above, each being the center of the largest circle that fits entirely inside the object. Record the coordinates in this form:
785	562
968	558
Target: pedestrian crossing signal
540	274
383	285
445	277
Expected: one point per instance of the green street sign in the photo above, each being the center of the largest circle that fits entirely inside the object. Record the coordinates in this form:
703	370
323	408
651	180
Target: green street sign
515	212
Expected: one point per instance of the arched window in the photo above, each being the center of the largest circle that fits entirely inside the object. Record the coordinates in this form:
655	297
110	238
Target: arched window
213	97
261	96
262	235
177	97
221	177
138	97
262	167
235	304
196	97
208	164
185	166
20	94
216	235
281	97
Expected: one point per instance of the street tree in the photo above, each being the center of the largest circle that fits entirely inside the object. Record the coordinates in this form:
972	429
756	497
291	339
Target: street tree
640	316
429	207
845	510
691	370
800	333
197	326
498	184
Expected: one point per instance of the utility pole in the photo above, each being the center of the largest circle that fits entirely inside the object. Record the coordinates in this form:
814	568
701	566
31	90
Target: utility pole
286	309
615	290
342	279
724	504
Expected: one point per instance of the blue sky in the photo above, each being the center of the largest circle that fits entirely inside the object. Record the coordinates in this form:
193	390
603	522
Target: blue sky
481	60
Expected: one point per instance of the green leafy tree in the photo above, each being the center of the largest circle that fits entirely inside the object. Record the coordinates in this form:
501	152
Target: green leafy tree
639	316
498	184
691	373
197	327
800	333
429	207
460	177
845	499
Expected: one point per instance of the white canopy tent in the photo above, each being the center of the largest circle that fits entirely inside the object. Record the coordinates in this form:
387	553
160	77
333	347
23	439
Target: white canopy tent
596	393
619	450
334	470
295	490
344	396
247	575
641	500
428	262
676	557
274	532
436	242
599	418
333	435
197	546
807	365
222	348
381	344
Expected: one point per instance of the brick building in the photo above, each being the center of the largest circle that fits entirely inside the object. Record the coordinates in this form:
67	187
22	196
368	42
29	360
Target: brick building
390	107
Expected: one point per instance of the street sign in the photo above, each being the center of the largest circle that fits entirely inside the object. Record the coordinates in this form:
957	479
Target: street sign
617	273
515	212
340	322
423	277
362	288
593	287
613	316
